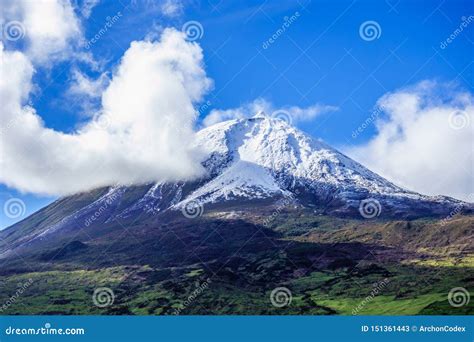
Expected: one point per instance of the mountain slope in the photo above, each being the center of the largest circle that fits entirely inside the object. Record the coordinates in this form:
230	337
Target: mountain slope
275	158
276	209
259	160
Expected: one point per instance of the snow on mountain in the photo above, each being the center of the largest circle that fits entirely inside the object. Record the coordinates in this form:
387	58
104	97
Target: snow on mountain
246	160
263	156
257	158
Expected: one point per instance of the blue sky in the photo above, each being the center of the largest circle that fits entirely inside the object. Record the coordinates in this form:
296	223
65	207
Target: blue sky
321	58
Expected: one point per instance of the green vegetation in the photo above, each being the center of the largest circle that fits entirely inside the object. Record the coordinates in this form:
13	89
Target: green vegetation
330	265
403	290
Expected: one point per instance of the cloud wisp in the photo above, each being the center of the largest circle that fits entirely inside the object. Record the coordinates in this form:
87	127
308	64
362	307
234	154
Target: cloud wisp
292	114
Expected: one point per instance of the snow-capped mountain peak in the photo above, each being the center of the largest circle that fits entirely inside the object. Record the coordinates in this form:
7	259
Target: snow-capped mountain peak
250	160
263	156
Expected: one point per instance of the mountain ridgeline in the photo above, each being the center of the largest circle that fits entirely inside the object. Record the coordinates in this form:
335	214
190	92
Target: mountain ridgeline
252	162
274	207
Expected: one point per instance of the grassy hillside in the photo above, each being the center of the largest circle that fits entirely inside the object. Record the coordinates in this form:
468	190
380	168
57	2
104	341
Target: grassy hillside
217	264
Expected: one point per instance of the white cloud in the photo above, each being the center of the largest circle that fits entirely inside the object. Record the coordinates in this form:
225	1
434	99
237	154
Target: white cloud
294	113
81	84
172	8
142	133
87	6
50	27
167	8
426	141
86	91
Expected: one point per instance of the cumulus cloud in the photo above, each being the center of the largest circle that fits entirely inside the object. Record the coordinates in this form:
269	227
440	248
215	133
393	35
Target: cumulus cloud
142	132
49	27
425	141
294	113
